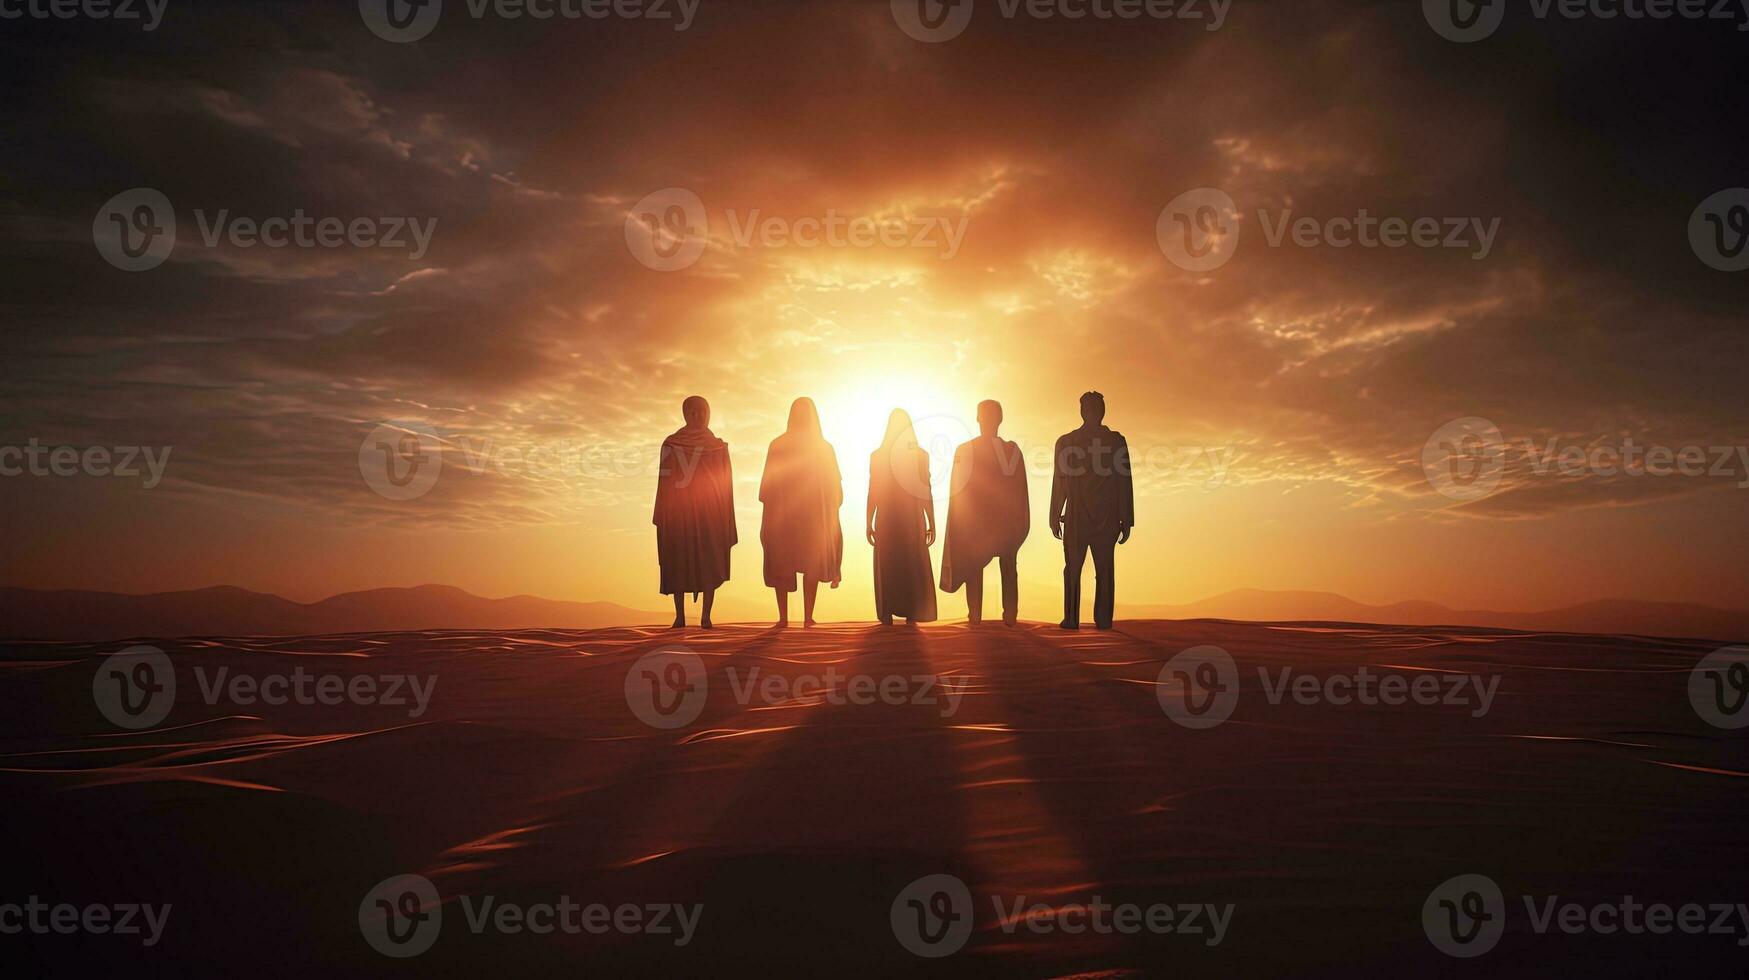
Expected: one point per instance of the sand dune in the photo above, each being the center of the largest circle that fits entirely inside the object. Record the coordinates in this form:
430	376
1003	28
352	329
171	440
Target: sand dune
1043	768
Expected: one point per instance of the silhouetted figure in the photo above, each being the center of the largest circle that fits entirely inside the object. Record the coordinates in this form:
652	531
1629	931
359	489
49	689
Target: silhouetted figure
695	511
1093	507
987	516
802	491
901	525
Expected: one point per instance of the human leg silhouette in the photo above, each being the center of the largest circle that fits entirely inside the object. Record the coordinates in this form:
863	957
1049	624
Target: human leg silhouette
975	597
1104	580
810	592
1010	587
679	610
782	607
1074	556
704	619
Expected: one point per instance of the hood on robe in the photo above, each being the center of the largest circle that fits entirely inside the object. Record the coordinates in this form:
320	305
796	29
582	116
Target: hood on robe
699	438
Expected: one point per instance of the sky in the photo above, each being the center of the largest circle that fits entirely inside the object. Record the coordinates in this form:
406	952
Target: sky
845	211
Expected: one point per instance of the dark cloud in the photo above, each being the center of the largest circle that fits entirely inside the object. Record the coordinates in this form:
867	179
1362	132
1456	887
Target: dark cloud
528	323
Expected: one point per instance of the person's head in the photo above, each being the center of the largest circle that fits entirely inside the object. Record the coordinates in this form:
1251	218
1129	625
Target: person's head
900	434
1093	408
804	419
697	411
989	417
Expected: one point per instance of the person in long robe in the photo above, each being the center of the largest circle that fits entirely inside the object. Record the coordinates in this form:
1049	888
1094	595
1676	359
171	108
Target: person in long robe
901	525
695	512
1093	509
987	517
802	490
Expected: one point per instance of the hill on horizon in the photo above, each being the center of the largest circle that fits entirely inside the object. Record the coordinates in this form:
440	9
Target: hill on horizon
1612	616
40	614
232	611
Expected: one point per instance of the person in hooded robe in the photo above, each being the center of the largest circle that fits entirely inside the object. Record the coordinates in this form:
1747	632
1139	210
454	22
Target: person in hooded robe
901	525
802	491
695	512
987	517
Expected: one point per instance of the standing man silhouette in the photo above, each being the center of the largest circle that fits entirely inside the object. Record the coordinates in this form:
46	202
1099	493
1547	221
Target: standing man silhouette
1093	507
987	517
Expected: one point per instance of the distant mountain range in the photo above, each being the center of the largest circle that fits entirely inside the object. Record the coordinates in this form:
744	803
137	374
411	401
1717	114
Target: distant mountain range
227	611
1615	616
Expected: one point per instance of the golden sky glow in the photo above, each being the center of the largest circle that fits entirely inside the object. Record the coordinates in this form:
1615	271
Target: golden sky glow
1276	407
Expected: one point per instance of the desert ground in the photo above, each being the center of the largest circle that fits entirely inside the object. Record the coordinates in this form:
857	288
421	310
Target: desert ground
827	770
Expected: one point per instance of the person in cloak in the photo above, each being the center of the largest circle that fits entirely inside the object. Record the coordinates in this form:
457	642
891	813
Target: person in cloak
901	525
695	512
800	532
987	517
